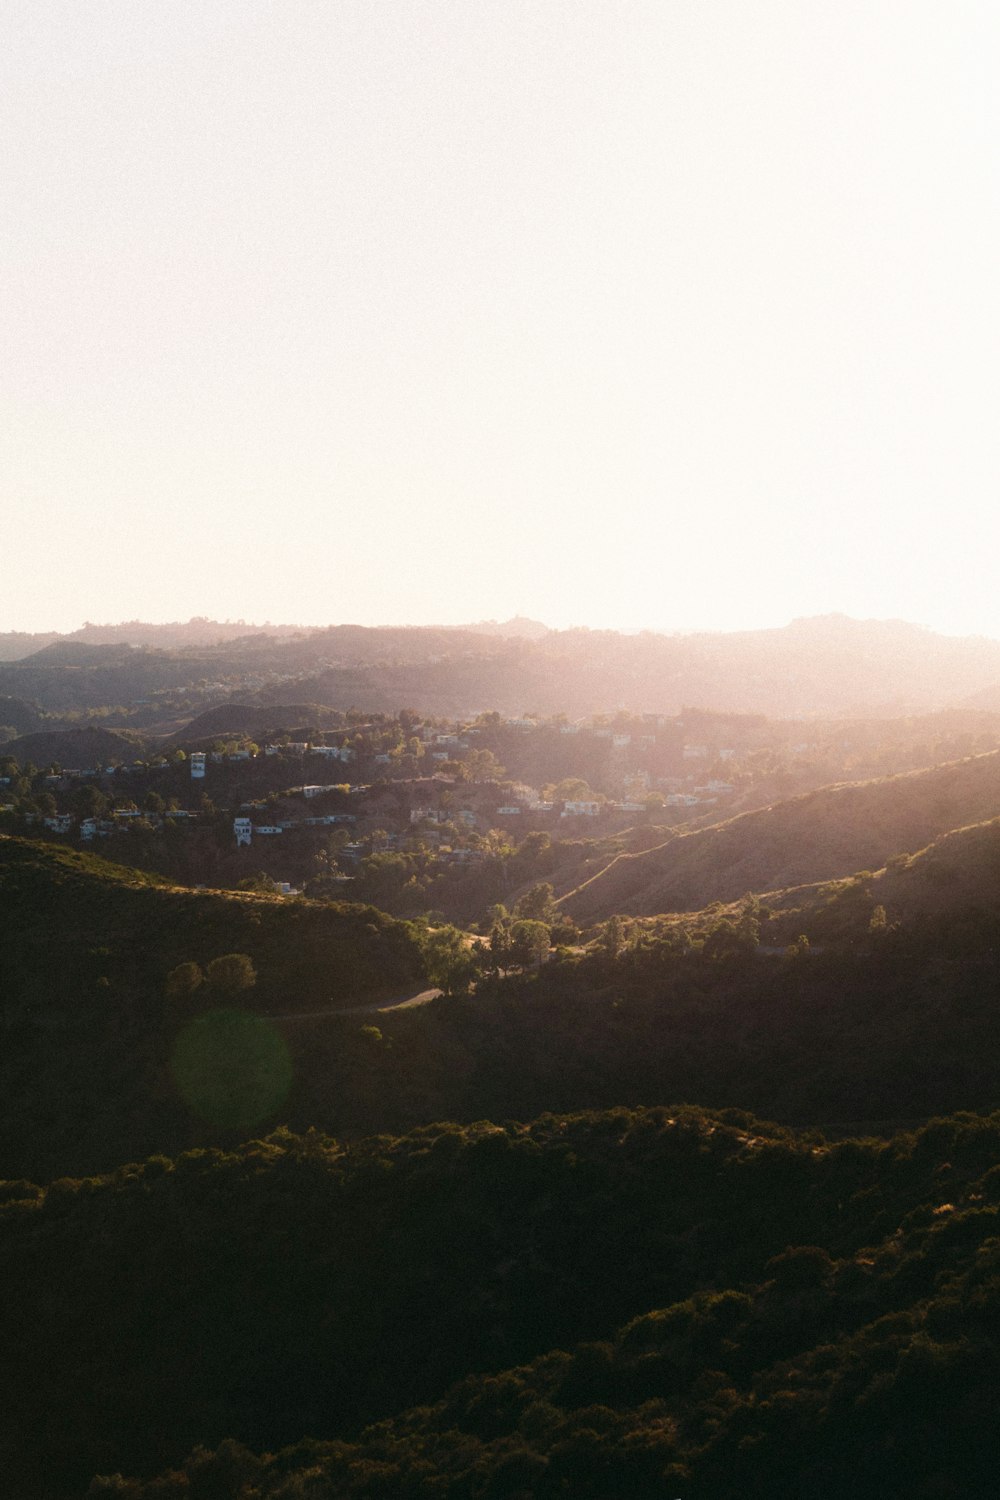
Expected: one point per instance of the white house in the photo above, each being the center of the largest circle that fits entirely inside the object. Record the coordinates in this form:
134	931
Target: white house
243	829
581	809
197	764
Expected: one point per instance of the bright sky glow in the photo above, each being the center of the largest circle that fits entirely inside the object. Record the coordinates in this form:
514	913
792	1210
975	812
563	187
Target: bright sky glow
676	315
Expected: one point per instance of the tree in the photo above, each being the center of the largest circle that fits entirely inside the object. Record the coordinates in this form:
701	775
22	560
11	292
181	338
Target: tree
537	904
89	801
180	988
571	789
534	846
748	923
611	940
529	943
183	981
500	941
481	765
564	932
231	973
450	964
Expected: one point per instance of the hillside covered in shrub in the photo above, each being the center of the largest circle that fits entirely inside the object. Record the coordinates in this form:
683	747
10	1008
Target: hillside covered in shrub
738	1310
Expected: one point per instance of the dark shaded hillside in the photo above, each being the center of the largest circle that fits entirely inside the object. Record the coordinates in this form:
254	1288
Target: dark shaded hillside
17	714
64	906
82	749
87	1019
112	675
250	719
888	1025
294	1288
817	836
869	1375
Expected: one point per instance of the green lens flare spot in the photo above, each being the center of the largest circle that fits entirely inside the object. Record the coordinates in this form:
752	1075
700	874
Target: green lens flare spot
231	1068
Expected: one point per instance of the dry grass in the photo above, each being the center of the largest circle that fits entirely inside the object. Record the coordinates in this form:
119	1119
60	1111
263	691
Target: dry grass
819	836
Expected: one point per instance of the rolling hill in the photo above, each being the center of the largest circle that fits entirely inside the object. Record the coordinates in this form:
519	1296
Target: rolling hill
228	719
818	836
18	715
88	1015
81	749
73	906
637	1304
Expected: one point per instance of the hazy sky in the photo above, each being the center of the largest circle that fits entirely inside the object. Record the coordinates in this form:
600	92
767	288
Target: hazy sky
666	313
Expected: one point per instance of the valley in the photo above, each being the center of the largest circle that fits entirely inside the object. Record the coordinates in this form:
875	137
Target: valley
504	1105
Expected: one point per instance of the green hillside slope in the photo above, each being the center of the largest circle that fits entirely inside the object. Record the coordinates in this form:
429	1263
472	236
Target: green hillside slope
71	914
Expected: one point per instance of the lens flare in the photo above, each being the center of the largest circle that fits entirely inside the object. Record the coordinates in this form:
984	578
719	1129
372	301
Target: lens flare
231	1068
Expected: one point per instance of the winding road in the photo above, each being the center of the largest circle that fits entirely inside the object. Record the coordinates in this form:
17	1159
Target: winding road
401	1002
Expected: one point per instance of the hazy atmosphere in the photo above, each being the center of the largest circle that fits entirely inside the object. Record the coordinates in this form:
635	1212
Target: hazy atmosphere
499	750
681	316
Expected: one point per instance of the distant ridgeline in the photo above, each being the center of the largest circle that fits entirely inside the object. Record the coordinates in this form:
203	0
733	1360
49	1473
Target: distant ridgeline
826	666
